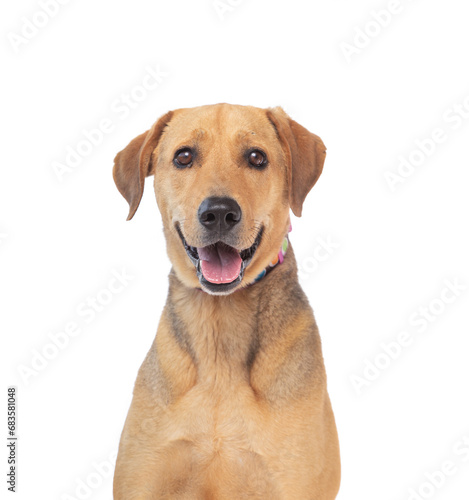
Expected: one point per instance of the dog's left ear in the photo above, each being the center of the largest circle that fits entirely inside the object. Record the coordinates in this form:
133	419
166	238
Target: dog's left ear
305	154
133	163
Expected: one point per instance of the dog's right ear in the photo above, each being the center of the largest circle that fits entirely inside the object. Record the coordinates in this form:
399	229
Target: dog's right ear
133	163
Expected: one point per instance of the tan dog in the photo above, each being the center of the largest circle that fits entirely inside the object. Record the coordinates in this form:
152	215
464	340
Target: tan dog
231	400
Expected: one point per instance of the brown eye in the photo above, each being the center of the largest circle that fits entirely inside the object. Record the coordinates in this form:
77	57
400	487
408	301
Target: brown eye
257	158
183	158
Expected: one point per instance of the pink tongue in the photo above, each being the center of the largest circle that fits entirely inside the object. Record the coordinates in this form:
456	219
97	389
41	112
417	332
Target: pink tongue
219	263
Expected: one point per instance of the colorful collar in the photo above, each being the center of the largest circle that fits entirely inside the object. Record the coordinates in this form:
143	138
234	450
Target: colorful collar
278	259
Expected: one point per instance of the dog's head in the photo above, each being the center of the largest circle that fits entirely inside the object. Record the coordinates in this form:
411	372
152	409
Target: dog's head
225	179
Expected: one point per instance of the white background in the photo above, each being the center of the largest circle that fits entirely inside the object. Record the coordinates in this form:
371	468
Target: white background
61	240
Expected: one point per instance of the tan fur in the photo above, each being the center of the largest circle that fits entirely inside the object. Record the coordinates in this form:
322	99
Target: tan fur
231	401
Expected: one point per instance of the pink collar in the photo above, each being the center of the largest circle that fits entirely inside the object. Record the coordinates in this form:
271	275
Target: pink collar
278	259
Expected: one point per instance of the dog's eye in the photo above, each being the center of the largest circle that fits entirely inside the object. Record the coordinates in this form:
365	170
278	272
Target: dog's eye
183	158
257	158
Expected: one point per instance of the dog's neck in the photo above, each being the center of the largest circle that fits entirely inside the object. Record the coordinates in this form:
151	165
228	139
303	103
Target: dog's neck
224	334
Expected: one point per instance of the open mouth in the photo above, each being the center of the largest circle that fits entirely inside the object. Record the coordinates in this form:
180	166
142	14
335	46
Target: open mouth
220	267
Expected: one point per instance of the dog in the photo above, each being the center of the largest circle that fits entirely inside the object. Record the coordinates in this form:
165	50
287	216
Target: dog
231	401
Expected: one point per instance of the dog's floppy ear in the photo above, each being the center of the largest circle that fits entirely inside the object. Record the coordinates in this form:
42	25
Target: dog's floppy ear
133	164
305	153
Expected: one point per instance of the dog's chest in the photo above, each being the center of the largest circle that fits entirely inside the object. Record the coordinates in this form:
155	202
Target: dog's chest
218	436
217	430
216	416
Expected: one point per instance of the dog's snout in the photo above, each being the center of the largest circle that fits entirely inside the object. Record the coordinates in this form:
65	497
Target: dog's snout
219	213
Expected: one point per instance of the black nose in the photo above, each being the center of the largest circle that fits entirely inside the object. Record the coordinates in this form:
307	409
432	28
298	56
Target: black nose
216	213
